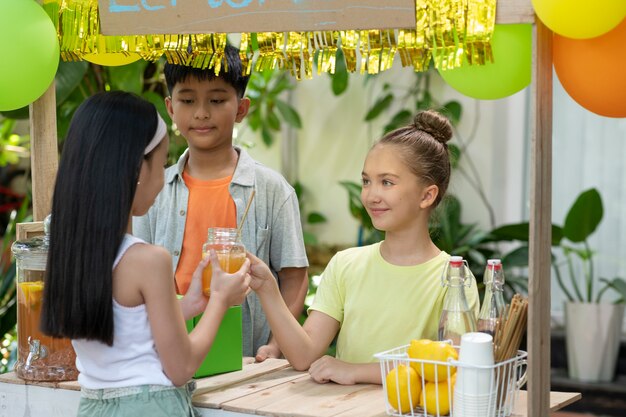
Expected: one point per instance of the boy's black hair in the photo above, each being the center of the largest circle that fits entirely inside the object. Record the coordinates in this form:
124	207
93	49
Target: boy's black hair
91	206
231	73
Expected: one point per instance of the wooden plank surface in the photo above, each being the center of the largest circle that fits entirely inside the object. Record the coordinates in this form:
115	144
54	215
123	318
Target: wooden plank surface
200	16
216	398
303	397
12	378
249	371
44	155
285	392
540	226
558	400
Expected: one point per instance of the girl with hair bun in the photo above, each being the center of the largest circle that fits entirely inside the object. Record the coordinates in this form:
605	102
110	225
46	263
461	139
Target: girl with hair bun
376	297
111	293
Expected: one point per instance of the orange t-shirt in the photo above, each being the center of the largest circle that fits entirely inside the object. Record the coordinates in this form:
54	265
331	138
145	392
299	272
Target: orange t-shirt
210	205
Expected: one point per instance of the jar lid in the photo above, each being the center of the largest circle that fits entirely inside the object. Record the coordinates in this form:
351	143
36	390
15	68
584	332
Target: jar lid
33	247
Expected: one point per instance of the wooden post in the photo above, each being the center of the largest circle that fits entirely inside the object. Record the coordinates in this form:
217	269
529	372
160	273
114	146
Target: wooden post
540	226
44	159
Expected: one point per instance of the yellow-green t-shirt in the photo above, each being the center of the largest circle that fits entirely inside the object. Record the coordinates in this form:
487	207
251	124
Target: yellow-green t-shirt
380	306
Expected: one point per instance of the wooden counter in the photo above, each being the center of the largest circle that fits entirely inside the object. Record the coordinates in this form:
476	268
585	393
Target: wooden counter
271	388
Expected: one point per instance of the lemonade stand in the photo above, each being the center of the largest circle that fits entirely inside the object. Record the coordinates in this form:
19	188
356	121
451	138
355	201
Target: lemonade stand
272	388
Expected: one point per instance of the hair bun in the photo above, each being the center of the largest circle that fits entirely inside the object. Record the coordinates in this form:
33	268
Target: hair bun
435	124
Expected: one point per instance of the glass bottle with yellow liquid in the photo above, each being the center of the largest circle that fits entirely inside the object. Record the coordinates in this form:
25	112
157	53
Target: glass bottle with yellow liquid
226	242
39	357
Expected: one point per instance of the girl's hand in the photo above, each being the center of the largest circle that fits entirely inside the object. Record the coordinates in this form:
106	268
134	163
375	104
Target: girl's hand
262	278
327	369
194	302
229	288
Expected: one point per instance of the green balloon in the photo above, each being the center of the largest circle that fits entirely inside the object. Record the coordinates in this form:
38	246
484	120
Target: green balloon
509	73
30	53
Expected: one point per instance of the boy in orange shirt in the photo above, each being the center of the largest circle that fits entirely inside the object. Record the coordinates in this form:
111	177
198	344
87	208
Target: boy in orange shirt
210	187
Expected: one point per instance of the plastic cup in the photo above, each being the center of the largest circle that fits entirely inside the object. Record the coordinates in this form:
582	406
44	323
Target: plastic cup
476	349
475	375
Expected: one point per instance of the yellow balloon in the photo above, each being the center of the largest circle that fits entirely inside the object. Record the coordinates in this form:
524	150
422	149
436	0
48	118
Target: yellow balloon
580	19
112	59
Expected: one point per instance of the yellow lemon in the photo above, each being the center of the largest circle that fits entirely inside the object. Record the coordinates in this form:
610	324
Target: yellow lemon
425	349
436	398
417	350
31	293
403	385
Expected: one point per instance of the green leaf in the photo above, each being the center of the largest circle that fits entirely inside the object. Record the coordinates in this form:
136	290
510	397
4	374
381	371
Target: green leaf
584	216
425	103
453	110
127	77
617	284
289	114
309	238
517	257
353	188
315	218
158	102
455	155
381	104
6	127
340	77
402	118
273	122
19	114
267	136
9	318
299	189
68	77
512	232
254	120
520	231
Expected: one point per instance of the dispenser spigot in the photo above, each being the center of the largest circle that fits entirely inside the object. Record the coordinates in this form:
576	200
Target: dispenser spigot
36	351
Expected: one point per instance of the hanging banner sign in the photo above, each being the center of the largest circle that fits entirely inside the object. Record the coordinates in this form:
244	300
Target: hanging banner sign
142	17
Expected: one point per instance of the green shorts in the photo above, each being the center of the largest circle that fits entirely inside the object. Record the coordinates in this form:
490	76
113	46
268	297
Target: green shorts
144	400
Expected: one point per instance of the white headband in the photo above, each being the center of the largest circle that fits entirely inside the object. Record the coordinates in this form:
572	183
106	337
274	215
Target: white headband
158	135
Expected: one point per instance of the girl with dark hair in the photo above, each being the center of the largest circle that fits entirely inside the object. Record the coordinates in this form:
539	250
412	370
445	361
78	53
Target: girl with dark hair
111	293
381	296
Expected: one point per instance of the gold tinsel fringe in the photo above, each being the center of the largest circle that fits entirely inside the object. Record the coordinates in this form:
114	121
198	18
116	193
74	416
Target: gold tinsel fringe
450	32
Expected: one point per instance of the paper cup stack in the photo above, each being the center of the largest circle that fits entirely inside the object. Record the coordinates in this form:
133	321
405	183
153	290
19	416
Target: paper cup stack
475	390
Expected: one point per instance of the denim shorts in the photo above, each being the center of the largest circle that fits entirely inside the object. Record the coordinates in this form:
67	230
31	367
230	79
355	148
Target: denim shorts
144	400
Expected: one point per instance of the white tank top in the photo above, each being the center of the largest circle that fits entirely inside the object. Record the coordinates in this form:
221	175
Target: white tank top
132	360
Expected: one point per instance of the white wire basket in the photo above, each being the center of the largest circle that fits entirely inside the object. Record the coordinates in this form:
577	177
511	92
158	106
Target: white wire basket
475	391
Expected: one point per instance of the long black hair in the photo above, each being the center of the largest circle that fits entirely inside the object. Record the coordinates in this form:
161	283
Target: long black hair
93	196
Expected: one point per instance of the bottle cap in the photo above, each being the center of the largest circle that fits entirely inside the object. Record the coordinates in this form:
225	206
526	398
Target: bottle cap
456	261
494	263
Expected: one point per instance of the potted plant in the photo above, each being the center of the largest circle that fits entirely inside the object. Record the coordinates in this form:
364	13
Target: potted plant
593	326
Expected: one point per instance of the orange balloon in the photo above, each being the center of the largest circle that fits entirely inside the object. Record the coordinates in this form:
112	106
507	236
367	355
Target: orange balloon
592	70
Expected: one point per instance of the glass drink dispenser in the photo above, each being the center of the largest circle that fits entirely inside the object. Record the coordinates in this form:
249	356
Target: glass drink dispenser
40	357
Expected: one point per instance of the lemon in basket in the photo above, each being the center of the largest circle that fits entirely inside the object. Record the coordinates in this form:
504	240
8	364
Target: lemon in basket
403	385
436	398
425	349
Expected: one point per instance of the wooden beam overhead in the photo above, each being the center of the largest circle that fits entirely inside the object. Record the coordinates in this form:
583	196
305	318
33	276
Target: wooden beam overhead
132	17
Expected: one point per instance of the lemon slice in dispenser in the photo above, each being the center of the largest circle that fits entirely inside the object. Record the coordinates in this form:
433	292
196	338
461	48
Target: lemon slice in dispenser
31	293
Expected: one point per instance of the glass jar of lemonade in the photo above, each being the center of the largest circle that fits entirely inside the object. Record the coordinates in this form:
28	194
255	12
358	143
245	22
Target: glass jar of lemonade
39	357
226	242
